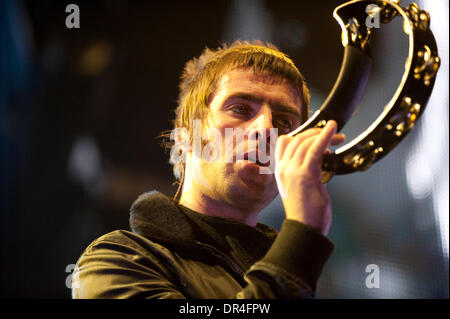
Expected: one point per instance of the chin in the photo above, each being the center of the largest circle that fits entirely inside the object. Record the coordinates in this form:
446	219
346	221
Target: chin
243	183
252	197
251	183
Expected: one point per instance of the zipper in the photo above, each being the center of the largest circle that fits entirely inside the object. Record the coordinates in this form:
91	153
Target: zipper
223	256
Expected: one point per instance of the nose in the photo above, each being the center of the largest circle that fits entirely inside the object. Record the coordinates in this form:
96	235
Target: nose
261	124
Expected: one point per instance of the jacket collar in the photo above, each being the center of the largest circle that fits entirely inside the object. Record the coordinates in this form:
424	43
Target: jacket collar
158	218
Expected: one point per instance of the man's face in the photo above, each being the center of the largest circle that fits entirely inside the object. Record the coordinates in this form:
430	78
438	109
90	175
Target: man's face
254	104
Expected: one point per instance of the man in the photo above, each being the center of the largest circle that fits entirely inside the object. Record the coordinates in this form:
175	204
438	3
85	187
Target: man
209	244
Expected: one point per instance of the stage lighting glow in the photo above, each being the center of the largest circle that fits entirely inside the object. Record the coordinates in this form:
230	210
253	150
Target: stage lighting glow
427	165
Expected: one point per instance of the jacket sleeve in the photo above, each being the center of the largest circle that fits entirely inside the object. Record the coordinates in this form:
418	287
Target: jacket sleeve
291	267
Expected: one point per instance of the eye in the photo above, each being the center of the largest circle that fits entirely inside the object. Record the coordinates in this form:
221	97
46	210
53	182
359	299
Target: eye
241	109
283	124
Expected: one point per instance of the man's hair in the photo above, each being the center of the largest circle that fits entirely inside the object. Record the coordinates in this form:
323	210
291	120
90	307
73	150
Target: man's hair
201	76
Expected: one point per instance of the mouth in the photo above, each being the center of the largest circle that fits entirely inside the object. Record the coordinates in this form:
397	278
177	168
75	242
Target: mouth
254	157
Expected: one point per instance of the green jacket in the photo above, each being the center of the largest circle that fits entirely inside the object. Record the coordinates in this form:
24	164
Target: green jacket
173	252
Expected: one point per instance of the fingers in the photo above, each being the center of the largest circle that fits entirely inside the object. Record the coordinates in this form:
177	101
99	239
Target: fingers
280	148
307	143
337	139
314	142
318	147
292	142
302	149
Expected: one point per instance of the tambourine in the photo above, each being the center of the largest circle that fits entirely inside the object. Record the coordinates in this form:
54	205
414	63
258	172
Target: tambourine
409	101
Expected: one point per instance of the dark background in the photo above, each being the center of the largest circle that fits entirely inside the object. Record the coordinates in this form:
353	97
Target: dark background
81	110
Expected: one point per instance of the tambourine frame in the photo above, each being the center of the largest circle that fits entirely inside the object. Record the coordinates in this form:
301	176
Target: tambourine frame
409	100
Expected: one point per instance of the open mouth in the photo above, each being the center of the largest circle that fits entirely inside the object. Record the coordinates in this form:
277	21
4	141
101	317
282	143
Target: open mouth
255	157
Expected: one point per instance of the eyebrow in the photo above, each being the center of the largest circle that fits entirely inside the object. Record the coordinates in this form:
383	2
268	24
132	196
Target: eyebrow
275	105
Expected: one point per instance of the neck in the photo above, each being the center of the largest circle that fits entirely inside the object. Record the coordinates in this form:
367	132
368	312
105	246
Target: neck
207	205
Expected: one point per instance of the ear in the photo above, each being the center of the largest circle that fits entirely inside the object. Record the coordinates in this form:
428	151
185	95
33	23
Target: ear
180	149
182	140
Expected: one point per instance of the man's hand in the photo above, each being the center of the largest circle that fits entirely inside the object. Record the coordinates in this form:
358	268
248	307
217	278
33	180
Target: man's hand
298	174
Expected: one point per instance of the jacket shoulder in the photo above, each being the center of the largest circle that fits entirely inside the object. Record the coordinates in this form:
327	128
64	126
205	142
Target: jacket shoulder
122	264
123	241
